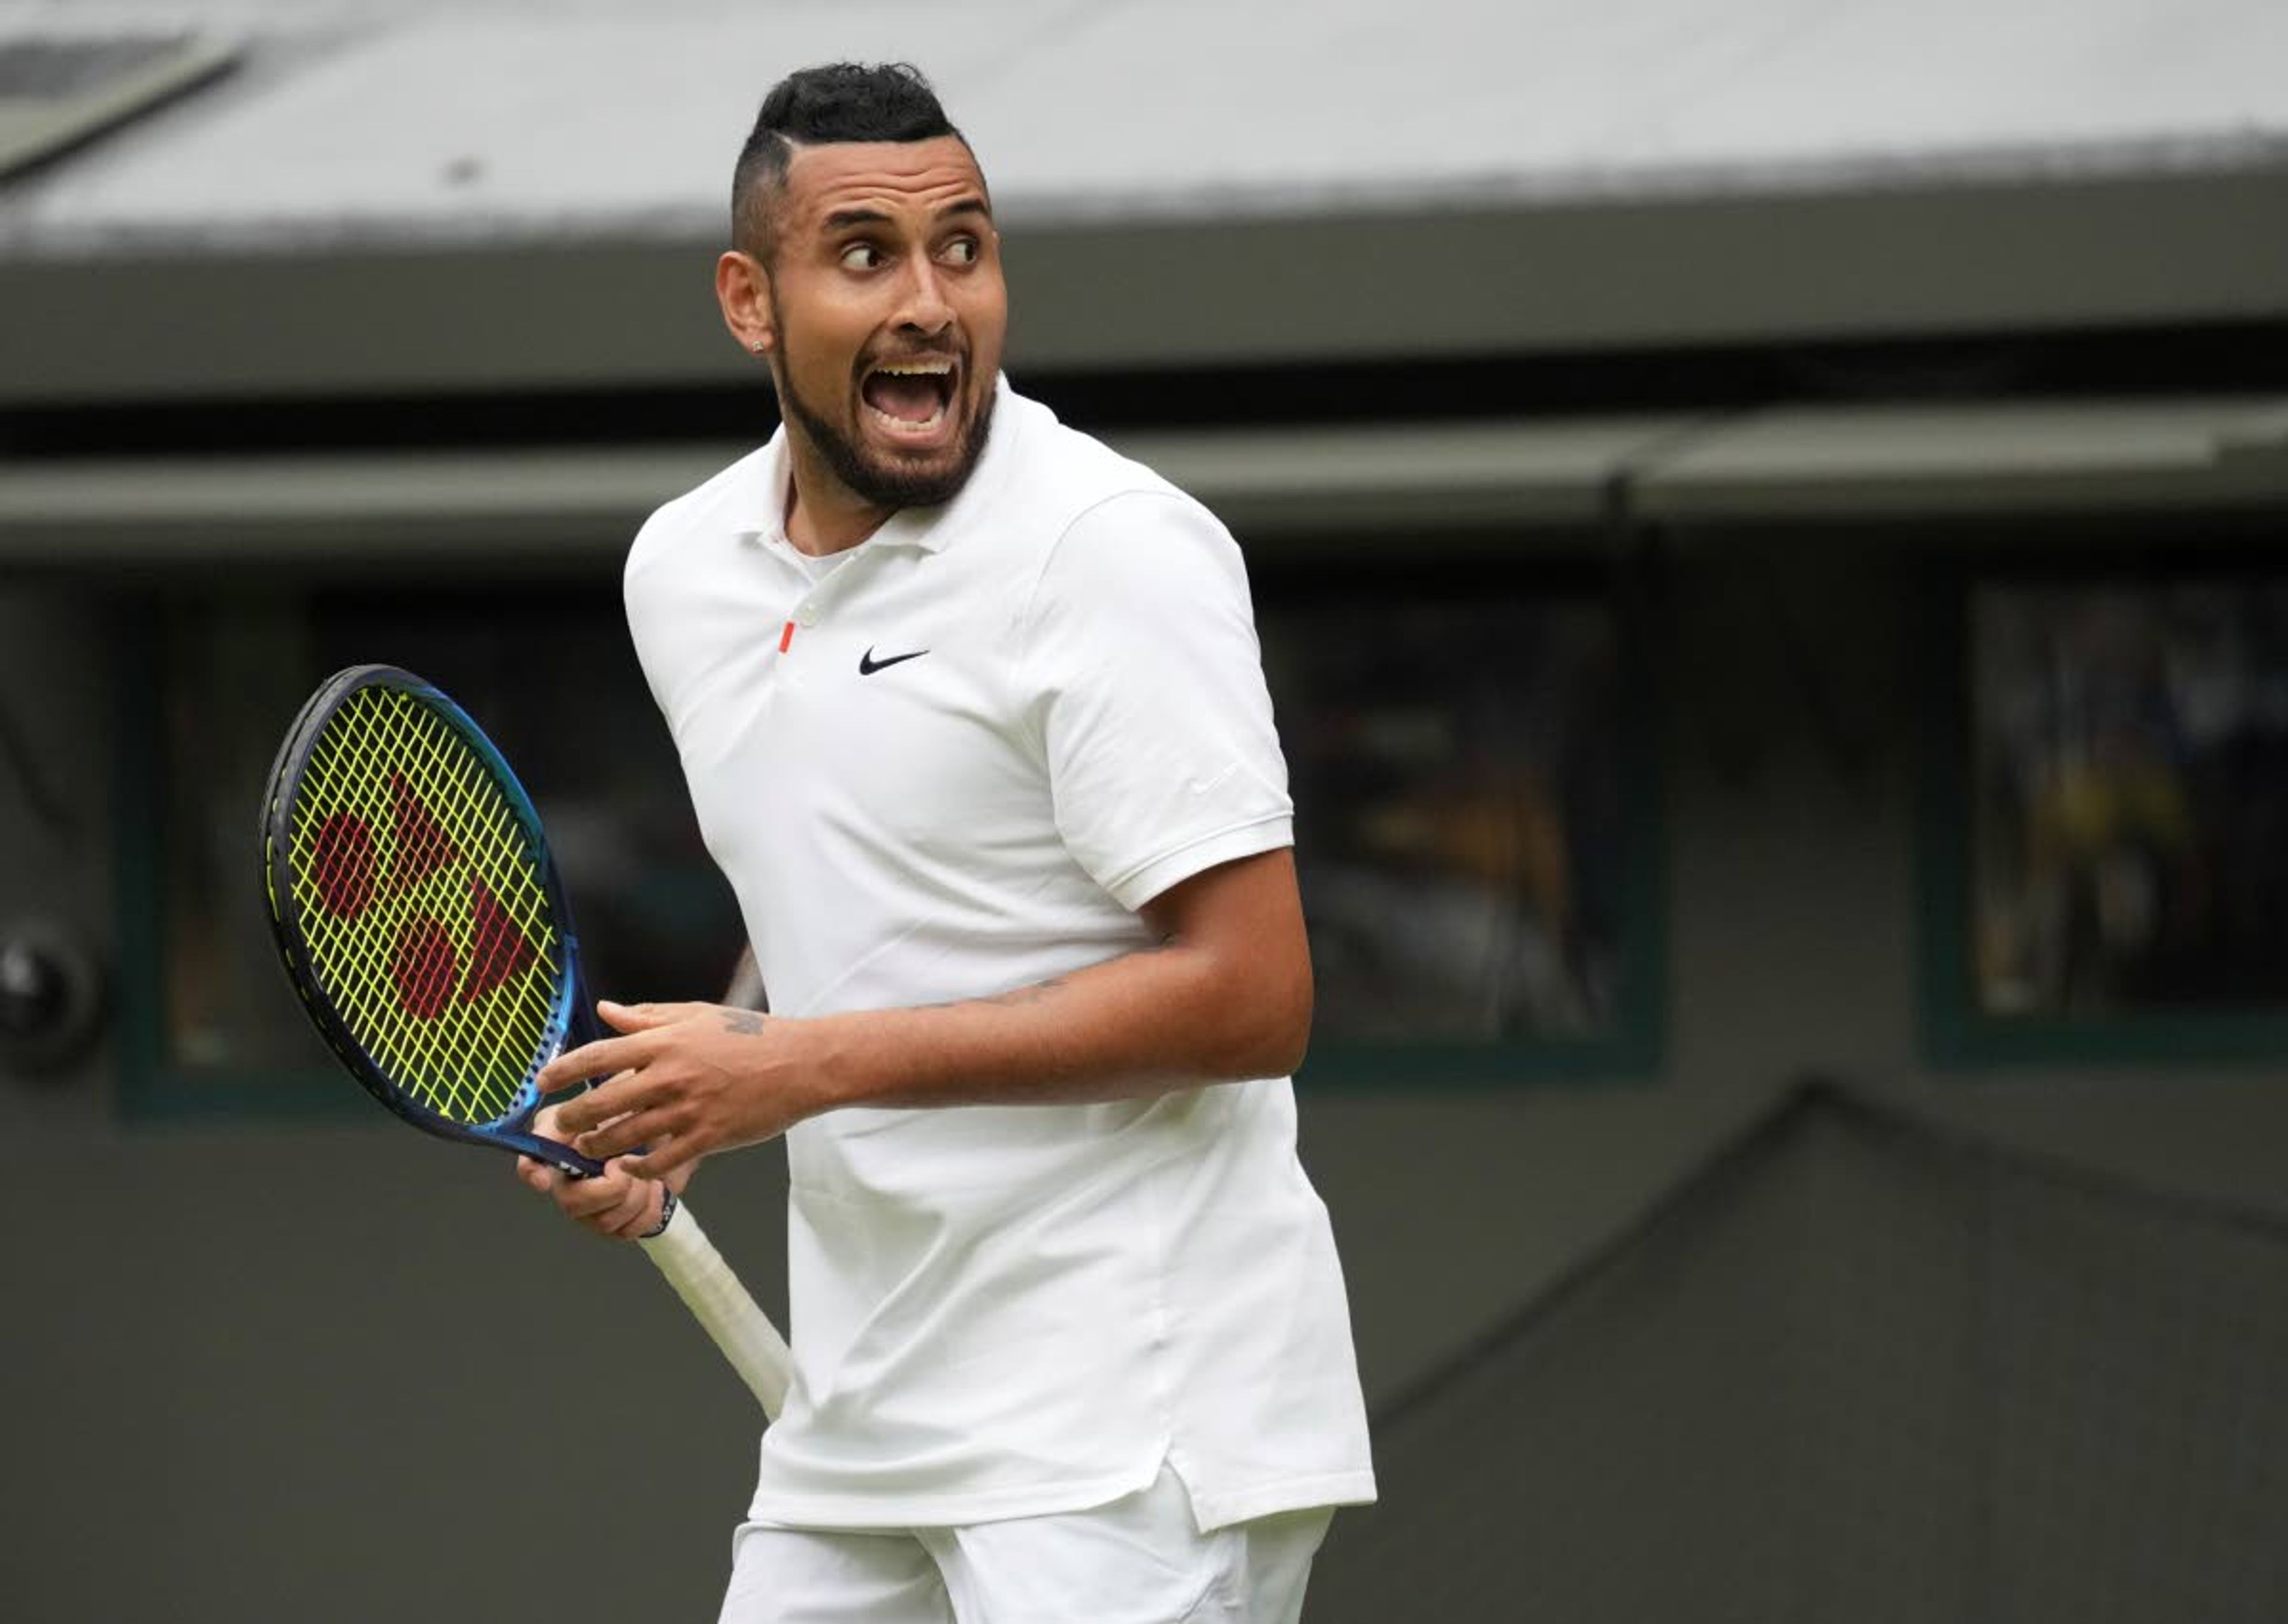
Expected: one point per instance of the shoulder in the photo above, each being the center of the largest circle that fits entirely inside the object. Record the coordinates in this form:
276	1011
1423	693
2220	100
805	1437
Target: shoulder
1055	475
1089	508
1067	474
1140	560
718	507
678	565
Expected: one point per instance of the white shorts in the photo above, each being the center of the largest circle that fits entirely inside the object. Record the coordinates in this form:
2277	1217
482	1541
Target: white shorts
1137	1561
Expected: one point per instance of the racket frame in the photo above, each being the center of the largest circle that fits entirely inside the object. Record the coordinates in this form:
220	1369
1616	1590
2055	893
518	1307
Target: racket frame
569	1021
681	1252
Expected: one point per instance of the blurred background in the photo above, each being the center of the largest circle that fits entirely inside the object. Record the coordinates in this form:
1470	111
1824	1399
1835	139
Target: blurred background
1765	523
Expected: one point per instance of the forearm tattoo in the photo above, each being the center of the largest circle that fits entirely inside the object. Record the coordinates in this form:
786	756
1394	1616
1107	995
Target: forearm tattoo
746	1023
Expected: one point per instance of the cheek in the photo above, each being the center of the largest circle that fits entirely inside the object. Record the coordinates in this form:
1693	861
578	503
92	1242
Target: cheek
987	319
820	372
820	341
812	361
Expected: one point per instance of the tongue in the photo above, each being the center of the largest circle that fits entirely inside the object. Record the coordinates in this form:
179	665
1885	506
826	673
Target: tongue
911	396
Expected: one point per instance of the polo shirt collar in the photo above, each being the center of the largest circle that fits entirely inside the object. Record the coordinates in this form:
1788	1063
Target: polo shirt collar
931	529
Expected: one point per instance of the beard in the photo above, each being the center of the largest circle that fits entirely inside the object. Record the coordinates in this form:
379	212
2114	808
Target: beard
886	481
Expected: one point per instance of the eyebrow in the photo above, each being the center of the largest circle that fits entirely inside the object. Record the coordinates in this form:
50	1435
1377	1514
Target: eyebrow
843	218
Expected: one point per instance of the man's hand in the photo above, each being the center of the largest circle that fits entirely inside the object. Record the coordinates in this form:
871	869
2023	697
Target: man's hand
615	1203
688	1080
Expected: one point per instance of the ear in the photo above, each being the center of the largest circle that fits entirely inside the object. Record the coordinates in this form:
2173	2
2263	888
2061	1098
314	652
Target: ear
743	288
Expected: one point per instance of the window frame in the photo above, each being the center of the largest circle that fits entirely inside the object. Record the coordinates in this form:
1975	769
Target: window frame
1957	1037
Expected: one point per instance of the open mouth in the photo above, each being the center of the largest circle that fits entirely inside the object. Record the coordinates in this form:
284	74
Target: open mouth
909	398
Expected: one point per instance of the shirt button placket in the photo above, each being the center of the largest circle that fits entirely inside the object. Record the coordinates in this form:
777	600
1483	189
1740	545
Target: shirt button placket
805	616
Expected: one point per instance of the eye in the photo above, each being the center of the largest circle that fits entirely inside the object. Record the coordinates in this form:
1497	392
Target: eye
962	250
861	257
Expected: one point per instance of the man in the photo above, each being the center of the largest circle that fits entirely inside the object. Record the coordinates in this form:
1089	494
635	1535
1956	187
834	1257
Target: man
972	716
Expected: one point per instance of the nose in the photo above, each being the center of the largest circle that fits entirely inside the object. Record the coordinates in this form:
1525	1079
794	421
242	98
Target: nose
924	311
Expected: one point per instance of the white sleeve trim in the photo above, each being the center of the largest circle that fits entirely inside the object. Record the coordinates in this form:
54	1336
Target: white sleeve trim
1135	887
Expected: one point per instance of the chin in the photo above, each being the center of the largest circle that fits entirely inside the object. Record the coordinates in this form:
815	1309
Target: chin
900	476
904	483
876	470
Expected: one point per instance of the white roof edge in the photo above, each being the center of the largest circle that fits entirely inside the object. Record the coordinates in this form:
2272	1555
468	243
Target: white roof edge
367	121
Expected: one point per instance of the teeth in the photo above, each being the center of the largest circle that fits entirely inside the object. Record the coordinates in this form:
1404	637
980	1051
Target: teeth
917	368
907	425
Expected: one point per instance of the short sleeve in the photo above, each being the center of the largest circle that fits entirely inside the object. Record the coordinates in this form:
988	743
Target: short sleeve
647	618
1147	697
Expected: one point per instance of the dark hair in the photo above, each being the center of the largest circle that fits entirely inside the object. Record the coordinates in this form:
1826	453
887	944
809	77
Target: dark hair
839	101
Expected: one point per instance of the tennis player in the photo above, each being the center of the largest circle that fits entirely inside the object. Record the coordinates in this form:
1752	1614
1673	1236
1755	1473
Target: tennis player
972	715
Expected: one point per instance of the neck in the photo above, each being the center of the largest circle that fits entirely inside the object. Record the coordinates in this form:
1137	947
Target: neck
823	515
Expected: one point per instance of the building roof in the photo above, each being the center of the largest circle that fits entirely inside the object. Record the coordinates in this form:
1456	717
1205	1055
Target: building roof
406	195
397	119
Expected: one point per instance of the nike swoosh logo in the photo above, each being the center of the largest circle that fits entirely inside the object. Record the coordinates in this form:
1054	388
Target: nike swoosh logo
867	665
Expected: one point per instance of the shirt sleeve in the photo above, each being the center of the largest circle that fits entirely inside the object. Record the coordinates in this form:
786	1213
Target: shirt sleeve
1147	697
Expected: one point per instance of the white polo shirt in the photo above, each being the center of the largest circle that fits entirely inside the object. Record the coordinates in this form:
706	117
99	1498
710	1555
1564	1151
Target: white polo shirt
953	762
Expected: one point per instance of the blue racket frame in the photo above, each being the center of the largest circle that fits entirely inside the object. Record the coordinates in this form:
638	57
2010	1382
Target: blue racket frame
571	1021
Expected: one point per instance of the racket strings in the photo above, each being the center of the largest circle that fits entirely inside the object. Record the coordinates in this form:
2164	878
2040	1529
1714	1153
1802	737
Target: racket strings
471	1067
421	905
425	968
391	970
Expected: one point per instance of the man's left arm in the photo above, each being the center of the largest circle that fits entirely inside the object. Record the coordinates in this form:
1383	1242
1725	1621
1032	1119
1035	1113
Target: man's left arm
1223	995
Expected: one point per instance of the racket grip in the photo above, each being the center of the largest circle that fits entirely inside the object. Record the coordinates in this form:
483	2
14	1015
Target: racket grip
720	1304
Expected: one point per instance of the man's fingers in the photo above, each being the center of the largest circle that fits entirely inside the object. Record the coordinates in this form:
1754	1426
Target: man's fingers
633	1128
666	1157
642	1016
603	1058
611	1204
586	1199
599	1108
614	1203
640	1214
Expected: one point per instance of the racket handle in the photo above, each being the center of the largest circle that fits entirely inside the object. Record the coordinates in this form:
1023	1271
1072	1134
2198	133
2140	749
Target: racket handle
720	1304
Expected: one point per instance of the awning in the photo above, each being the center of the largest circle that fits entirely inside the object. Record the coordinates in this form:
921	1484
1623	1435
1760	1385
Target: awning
1897	461
580	505
1568	482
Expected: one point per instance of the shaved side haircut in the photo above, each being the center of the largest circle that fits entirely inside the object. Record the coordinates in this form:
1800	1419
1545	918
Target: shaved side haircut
840	102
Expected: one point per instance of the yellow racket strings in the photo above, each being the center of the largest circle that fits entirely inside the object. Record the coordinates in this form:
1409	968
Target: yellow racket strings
421	905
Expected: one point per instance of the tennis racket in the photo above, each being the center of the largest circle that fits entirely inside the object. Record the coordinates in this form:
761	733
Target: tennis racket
421	919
